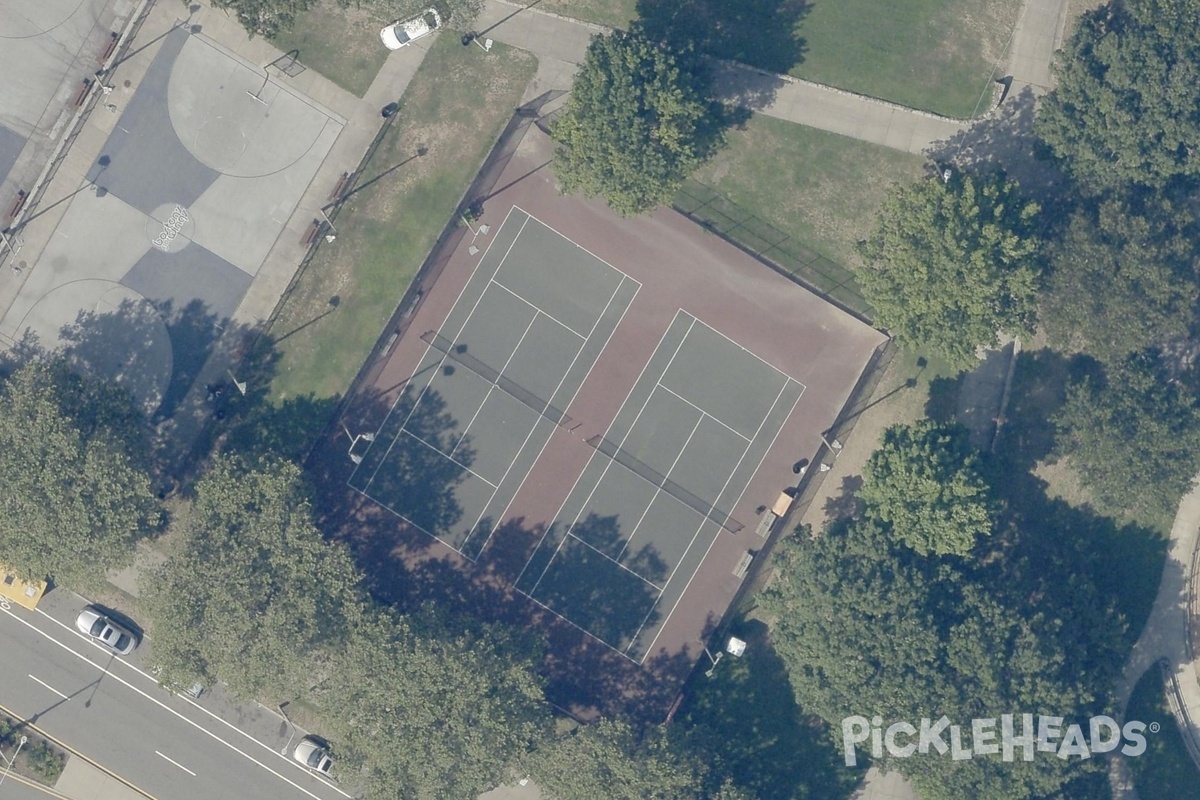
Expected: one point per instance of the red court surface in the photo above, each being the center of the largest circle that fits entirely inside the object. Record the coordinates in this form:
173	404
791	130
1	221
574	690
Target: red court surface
701	329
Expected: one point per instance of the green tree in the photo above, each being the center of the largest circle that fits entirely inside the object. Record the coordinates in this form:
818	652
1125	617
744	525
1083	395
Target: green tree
1134	436
429	711
868	627
1127	105
1123	279
77	493
611	759
456	14
637	123
254	592
924	482
266	17
952	264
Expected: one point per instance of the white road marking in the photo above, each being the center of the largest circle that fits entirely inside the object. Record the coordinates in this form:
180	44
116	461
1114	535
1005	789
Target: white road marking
176	763
165	707
48	686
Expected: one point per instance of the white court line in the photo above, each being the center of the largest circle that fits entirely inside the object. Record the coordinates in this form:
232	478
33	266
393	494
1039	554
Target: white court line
538	308
584	630
621	445
424	355
749	352
176	763
705	413
570	400
749	480
443	455
607	557
428	347
158	702
581	247
48	686
658	489
493	385
594	453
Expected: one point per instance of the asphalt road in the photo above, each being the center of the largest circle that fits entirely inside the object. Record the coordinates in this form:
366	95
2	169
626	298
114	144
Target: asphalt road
109	711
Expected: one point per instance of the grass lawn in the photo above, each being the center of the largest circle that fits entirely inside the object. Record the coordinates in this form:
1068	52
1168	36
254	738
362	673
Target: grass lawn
455	107
819	188
340	43
612	13
936	55
1165	771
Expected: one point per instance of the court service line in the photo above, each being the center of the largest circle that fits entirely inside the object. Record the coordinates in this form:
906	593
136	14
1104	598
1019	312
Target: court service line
412	435
658	489
537	308
570	400
608	464
736	502
558	233
584	630
750	352
729	428
493	385
607	557
442	360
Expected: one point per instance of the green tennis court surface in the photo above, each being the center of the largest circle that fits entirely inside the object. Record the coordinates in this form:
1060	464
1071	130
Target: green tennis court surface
514	350
660	487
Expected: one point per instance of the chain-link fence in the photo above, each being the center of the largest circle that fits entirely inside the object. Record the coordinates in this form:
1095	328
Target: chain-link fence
718	214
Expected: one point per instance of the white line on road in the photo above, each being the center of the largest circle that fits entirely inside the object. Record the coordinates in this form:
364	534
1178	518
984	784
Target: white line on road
155	701
51	688
176	763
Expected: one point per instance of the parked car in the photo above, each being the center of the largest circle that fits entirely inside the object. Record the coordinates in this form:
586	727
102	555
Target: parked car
313	753
404	32
105	631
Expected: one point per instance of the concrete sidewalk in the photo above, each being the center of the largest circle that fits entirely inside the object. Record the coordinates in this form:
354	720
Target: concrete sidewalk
1035	37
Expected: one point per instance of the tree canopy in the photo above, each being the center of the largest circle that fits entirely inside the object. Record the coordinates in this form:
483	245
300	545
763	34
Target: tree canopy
77	493
924	482
1123	279
266	17
431	713
1127	105
611	759
254	590
1133	434
952	264
638	121
869	627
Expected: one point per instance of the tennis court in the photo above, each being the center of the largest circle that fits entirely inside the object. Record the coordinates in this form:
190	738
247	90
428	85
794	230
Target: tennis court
660	487
514	351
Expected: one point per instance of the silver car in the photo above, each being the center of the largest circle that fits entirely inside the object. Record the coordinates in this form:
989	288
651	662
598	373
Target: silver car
314	754
101	629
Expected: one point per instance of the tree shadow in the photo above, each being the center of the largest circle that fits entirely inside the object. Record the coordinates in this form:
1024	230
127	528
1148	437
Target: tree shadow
1039	389
942	402
1005	140
769	745
845	503
759	33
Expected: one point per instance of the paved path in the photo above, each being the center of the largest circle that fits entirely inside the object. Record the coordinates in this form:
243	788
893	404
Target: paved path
1035	37
1165	636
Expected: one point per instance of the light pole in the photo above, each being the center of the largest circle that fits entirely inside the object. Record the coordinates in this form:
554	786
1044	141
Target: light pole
9	766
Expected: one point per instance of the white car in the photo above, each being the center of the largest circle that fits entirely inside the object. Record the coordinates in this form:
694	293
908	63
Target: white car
314	754
405	32
103	630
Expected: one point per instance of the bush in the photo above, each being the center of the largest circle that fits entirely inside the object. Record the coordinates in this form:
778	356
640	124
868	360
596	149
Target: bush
45	762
